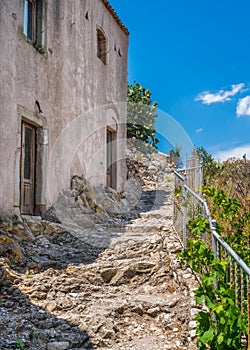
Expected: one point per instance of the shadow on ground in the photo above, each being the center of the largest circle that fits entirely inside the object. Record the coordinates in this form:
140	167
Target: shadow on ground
24	325
28	247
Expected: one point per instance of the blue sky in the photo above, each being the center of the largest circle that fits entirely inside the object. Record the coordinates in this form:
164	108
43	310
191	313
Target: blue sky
194	56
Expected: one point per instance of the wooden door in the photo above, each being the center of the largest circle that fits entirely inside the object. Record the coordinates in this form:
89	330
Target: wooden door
111	159
28	161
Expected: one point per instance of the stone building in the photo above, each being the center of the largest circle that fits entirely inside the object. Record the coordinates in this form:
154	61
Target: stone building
63	91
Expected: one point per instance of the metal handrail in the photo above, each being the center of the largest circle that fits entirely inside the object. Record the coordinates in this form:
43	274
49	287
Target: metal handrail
179	175
212	225
237	281
236	257
194	194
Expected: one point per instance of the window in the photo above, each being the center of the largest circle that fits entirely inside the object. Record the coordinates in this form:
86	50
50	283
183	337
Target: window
101	46
28	19
34	21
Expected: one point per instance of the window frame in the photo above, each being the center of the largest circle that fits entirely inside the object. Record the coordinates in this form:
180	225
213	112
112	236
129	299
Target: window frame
29	20
101	42
37	20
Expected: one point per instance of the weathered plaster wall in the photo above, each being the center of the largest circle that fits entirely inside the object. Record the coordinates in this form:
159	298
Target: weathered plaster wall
70	82
8	120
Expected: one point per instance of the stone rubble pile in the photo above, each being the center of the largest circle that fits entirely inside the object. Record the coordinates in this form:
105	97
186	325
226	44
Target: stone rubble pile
114	283
85	205
151	171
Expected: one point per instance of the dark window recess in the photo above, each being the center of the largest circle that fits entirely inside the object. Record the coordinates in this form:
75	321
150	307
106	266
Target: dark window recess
28	19
101	46
40	26
34	21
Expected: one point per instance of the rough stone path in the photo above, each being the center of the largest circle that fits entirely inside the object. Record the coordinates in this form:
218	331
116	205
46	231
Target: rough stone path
131	293
144	297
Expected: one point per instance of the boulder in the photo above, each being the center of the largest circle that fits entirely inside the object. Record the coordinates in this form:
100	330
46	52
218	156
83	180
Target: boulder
58	346
10	249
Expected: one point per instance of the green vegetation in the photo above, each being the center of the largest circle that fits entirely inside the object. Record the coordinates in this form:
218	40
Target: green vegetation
31	335
232	176
28	275
228	197
224	324
40	48
141	114
210	166
176	152
233	220
220	327
19	344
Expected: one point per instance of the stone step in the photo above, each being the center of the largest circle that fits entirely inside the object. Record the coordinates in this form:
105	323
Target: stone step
137	227
156	215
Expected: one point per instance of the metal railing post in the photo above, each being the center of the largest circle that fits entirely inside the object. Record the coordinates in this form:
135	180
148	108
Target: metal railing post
201	175
214	242
214	248
185	211
217	243
248	310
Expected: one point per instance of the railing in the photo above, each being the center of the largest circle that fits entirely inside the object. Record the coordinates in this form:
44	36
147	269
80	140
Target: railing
189	204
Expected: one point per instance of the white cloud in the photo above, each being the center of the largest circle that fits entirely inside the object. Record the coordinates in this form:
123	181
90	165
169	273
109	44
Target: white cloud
207	97
236	152
243	106
199	130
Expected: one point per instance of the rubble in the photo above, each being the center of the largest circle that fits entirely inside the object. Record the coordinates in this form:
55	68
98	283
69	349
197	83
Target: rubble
104	274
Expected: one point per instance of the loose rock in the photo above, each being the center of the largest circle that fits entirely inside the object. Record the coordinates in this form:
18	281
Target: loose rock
104	275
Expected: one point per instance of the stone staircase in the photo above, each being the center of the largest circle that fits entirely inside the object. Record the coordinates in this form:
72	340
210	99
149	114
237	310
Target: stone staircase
141	297
116	285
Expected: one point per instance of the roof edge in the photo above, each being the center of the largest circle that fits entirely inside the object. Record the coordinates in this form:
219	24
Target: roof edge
115	15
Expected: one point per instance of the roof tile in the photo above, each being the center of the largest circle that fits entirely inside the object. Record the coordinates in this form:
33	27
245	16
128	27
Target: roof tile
116	17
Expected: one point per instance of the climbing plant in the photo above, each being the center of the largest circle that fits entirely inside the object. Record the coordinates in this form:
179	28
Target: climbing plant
141	115
222	326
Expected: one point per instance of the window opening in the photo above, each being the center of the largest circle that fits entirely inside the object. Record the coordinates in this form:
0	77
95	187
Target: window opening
34	22
101	46
28	20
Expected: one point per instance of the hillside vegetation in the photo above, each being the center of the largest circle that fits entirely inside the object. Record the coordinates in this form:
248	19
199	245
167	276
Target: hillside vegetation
224	325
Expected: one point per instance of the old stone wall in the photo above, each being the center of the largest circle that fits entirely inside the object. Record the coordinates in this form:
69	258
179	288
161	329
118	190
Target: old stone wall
79	96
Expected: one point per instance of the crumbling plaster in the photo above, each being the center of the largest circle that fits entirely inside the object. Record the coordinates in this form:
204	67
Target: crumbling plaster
69	81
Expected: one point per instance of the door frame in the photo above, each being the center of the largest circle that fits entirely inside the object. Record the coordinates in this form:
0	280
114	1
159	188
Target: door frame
40	122
111	170
28	185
